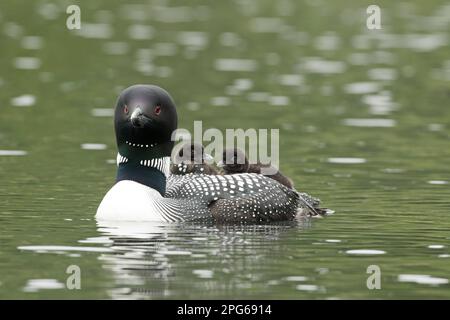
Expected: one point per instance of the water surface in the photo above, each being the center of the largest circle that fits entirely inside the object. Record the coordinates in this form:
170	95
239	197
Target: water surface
364	125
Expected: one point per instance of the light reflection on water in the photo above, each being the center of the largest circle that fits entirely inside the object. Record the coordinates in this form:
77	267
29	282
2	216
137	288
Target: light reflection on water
363	126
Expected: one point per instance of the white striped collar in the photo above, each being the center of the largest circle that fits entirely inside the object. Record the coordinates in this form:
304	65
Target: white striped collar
161	164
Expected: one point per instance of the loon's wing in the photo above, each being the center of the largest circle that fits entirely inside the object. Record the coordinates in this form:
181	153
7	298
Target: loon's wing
182	209
245	197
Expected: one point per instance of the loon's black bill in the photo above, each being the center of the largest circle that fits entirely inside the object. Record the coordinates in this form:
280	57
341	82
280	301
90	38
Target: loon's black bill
139	119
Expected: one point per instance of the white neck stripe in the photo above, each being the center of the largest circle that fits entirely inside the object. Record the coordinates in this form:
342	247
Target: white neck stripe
160	164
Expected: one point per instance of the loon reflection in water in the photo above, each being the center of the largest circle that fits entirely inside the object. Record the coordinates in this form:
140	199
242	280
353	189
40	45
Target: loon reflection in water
146	256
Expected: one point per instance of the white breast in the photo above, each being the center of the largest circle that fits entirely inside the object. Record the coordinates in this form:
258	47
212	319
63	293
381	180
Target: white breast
130	201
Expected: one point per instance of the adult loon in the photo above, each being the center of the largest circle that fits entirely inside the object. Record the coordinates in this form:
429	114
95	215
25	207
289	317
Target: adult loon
234	161
145	117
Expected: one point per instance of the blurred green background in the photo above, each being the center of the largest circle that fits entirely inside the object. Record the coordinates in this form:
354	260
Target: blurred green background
364	125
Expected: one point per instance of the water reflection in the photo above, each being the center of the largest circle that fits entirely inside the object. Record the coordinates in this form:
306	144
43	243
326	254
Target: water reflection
13	153
355	132
93	146
25	100
95	31
116	48
27	63
369	122
32	42
422	279
151	260
140	32
236	65
321	66
34	285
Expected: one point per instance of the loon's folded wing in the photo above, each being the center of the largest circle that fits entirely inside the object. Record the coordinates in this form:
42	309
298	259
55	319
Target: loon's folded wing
243	197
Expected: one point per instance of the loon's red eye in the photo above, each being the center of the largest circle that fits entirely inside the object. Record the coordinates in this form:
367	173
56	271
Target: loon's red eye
157	110
125	109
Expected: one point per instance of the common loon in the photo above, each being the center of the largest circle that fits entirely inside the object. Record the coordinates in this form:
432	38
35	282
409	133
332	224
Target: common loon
234	161
192	159
145	117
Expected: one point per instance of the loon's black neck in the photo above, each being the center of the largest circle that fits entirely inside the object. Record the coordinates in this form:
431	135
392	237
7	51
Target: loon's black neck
148	176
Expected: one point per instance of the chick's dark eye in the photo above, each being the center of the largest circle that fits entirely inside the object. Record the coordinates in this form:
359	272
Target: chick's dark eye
157	110
125	109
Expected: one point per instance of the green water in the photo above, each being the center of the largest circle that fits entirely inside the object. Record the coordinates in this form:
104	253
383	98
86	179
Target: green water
304	63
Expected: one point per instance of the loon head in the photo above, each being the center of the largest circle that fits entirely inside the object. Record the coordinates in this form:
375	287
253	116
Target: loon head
191	152
234	161
191	158
145	118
